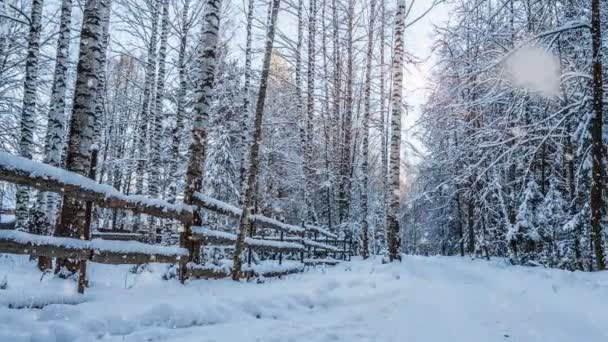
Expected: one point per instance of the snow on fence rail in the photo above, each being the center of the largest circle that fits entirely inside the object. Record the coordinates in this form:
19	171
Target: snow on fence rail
45	177
322	231
295	244
96	250
227	209
265	269
216	237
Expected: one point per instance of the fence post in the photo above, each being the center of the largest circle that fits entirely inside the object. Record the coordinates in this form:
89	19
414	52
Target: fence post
303	235
84	232
344	247
281	252
350	247
249	249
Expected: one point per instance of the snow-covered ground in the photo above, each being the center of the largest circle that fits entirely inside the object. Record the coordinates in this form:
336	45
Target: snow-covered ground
419	300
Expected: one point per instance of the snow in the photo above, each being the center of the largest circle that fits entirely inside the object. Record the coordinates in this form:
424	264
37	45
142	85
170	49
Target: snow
434	299
219	204
7	218
321	245
249	241
535	69
210	202
277	224
321	231
204	231
95	244
36	169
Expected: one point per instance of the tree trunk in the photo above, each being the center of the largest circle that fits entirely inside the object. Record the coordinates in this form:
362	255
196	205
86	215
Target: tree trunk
181	104
82	130
345	179
310	108
28	113
365	133
254	157
207	61
47	204
246	93
597	142
392	220
144	116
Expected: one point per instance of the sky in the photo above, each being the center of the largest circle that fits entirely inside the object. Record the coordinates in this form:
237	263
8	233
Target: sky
419	40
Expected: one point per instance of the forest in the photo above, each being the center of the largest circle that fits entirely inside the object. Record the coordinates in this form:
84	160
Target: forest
154	145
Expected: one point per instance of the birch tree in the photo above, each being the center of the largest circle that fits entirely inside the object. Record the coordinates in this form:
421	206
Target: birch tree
392	218
365	133
28	109
82	130
207	62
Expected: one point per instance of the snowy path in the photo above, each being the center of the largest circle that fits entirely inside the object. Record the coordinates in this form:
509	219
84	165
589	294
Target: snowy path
422	299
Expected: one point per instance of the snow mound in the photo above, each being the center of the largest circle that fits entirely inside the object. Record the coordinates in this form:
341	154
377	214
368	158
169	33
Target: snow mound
534	69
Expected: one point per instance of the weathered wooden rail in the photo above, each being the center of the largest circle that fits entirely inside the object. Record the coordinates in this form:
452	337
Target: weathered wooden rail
119	248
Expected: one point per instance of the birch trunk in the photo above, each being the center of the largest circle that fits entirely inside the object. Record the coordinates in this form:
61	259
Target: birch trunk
310	108
82	130
207	61
346	166
381	236
181	103
246	90
144	116
28	113
392	224
46	209
365	133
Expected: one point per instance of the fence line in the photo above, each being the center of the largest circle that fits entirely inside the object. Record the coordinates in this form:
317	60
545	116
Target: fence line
44	177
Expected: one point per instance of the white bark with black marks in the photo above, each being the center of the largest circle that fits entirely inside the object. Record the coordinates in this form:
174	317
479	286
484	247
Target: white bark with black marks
28	110
393	237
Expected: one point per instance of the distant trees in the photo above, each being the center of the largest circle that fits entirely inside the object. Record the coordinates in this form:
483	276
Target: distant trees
512	172
166	99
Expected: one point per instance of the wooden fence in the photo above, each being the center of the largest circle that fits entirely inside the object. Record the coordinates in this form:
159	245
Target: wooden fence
128	248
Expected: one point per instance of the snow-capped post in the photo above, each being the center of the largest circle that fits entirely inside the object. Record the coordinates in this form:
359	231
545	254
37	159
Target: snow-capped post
85	230
207	60
248	190
28	110
82	130
392	218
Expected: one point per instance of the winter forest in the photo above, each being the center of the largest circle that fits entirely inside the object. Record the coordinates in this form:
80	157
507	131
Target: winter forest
293	163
